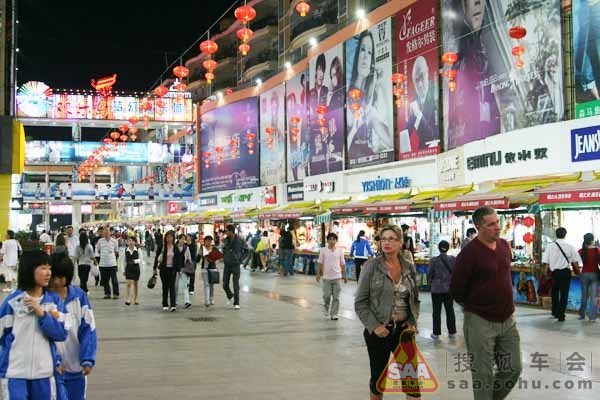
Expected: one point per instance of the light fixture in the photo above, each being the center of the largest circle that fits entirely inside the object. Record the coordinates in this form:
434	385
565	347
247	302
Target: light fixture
17	49
360	13
258	81
312	41
288	65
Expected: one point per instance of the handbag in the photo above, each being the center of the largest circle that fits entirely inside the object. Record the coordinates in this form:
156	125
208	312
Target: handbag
214	276
152	281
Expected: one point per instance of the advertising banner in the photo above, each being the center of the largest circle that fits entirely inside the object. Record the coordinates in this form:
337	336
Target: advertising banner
230	147
272	136
417	58
44	152
131	153
369	112
492	94
298	145
106	191
586	49
326	111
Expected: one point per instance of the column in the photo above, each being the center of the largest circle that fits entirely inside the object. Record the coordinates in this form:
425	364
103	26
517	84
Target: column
76	216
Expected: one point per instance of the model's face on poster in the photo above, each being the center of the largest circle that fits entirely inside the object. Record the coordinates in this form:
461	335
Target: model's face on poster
319	75
333	74
474	12
274	109
420	78
365	56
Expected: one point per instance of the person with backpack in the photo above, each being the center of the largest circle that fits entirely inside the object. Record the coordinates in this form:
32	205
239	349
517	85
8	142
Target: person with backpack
360	251
439	276
590	255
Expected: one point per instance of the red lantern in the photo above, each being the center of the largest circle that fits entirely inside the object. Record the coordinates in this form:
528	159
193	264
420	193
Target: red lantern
133	130
209	77
160	103
355	94
133	120
181	71
244	48
518	51
295	120
517	32
270	130
528	221
124	138
133	137
303	8
114	135
209	65
398	78
245	14
233	142
245	34
209	47
450	74
399	91
123	128
450	58
321	110
250	136
161	90
452	86
181	87
528	238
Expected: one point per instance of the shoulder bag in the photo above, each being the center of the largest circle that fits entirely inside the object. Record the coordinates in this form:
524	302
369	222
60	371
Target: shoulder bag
576	270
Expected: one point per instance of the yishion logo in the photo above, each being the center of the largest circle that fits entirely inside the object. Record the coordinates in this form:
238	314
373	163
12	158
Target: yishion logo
585	144
408	371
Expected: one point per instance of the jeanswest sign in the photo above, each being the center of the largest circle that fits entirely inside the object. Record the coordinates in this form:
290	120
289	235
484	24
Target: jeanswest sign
585	144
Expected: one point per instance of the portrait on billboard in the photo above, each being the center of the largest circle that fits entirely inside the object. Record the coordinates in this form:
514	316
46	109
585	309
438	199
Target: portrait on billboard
586	48
272	136
326	111
496	91
298	145
369	112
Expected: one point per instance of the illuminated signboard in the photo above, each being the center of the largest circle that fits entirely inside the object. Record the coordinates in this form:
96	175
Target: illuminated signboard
36	100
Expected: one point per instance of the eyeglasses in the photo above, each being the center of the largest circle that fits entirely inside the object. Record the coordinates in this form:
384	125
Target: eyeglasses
389	239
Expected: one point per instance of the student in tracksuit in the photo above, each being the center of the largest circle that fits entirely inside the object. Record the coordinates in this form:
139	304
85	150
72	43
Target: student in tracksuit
361	251
32	320
78	352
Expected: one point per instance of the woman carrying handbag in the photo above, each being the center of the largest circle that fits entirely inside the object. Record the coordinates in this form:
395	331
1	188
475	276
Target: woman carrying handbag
209	255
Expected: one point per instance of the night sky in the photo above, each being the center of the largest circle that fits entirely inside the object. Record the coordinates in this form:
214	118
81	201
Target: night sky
66	43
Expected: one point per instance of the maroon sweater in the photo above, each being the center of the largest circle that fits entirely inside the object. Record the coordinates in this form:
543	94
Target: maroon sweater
481	280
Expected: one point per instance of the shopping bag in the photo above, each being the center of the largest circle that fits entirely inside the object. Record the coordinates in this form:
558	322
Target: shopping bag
213	276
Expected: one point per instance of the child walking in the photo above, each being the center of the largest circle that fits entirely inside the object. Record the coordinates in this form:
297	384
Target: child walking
132	271
78	352
32	320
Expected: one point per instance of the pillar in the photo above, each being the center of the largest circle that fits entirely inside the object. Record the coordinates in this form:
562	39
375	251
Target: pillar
76	216
5	192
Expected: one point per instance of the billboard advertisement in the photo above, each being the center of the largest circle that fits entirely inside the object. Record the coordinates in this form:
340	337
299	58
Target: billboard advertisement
48	152
492	94
417	58
106	191
586	49
369	112
272	136
298	145
230	146
326	111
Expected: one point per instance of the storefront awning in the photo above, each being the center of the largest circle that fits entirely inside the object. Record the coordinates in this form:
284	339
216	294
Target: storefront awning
291	211
388	203
426	199
581	192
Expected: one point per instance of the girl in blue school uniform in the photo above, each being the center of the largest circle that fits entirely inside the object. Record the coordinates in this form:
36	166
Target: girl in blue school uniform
77	353
32	321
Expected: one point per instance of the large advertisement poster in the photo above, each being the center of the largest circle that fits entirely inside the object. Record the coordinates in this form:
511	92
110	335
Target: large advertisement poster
586	48
230	146
369	112
492	94
418	101
298	145
106	191
326	111
272	136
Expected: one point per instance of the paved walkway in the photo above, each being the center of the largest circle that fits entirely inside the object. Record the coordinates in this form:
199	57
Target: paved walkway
278	346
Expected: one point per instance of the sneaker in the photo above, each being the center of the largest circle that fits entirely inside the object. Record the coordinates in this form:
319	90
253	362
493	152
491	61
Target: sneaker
206	304
212	302
173	309
115	297
229	302
106	297
192	293
127	303
165	308
434	337
334	318
580	317
187	305
237	306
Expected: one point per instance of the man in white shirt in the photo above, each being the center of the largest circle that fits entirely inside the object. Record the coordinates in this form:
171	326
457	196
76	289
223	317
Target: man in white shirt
107	249
45	238
11	250
332	267
71	241
560	257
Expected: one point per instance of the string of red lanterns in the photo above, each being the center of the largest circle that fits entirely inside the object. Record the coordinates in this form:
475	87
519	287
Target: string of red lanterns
518	33
245	14
398	80
355	96
449	59
209	47
302	8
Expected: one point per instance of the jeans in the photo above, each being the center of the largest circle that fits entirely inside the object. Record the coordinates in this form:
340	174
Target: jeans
185	284
192	284
438	299
248	257
331	295
109	275
560	291
287	260
228	271
589	290
83	271
167	278
485	340
209	288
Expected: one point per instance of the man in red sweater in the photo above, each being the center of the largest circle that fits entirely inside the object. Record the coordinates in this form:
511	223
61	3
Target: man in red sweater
481	283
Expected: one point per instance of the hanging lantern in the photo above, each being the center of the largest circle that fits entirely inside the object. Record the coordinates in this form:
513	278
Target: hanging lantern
209	77
209	47
114	135
528	221
245	34
133	137
181	72
133	120
123	128
250	137
245	14
161	90
181	86
160	103
449	59
124	138
146	105
295	132
518	51
355	95
303	8
518	33
207	155
528	238
244	48
398	78
219	151
295	120
209	64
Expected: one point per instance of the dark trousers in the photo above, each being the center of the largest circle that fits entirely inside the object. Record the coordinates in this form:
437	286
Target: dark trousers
438	299
228	271
560	291
248	257
192	280
83	271
168	277
108	275
358	262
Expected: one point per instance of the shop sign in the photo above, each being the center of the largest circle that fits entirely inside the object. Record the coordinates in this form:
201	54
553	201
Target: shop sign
60	209
282	215
570	197
295	192
321	186
270	195
585	144
451	168
501	203
240	198
497	158
206	201
379	184
386	208
172	207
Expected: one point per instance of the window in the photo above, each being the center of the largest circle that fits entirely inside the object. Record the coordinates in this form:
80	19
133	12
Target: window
342	7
